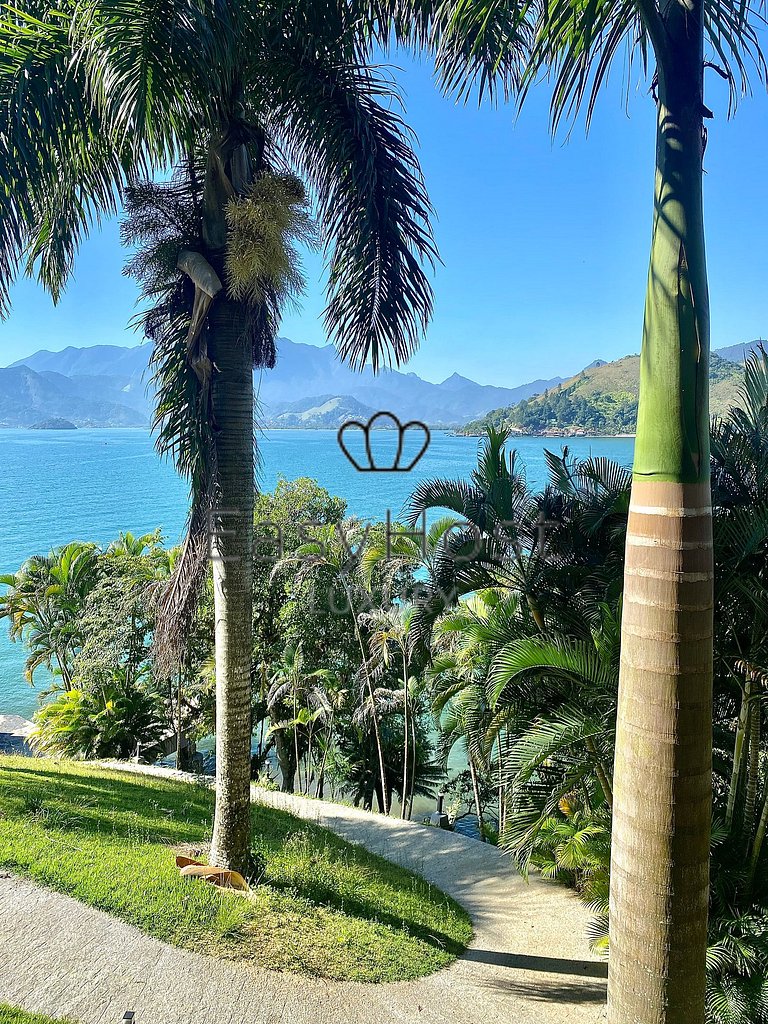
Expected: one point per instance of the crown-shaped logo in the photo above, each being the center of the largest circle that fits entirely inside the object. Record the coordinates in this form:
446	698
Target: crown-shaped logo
413	428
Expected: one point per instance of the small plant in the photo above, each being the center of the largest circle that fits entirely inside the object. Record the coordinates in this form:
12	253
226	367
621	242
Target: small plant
257	868
265	781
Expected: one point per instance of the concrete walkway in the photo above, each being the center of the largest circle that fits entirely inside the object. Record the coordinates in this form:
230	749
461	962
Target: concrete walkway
528	963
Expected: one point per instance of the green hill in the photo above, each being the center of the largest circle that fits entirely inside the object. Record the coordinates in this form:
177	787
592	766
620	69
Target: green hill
602	399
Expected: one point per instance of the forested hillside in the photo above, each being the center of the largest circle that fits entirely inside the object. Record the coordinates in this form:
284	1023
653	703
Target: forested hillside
602	399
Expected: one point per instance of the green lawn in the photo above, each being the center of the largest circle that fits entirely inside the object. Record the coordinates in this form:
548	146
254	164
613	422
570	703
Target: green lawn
10	1015
325	907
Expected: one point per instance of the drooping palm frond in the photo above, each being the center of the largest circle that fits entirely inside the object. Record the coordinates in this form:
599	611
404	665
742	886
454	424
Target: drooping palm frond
332	116
751	409
478	48
60	165
561	735
737	969
573	660
575	44
159	70
163	219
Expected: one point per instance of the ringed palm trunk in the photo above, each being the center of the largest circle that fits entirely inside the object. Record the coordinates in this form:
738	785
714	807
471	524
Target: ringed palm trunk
231	549
753	767
406	730
738	752
476	796
662	779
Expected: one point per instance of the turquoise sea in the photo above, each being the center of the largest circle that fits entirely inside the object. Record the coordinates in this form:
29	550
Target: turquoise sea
57	486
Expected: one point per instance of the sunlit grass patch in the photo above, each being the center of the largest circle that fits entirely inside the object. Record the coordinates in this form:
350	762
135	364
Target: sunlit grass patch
13	1015
325	907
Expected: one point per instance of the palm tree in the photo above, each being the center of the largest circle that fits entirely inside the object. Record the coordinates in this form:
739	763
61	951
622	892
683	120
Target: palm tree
44	602
333	558
391	636
560	696
299	692
128	545
560	550
461	711
661	829
738	952
466	642
497	540
110	90
204	351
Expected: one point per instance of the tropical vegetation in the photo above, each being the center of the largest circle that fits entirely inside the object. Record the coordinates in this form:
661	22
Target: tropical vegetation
490	643
96	94
527	675
253	111
602	399
661	830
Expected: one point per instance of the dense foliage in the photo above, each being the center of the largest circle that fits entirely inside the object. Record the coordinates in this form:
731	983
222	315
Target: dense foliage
494	643
529	675
601	400
564	409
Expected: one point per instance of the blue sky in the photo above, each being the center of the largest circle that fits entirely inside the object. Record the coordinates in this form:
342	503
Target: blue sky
544	244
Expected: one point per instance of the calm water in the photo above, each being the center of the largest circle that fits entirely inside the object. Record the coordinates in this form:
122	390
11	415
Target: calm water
59	486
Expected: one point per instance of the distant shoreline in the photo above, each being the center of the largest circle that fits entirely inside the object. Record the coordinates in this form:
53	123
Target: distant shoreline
451	431
555	436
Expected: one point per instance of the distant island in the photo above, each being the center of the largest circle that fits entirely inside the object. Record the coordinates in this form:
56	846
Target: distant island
54	423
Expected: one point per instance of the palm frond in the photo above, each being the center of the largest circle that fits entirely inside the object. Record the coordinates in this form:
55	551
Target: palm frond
355	153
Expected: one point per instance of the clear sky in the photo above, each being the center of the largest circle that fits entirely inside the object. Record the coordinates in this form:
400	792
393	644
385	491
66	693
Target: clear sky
544	244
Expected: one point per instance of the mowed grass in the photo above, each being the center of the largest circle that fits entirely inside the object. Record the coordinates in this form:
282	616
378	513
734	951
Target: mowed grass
12	1015
324	907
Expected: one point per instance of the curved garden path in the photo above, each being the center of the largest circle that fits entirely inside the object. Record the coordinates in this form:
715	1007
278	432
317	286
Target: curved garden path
528	963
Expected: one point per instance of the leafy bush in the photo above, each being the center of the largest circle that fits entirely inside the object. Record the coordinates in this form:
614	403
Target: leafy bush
111	721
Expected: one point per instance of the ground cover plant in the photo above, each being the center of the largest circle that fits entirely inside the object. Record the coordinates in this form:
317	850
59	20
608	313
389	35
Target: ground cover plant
13	1015
323	906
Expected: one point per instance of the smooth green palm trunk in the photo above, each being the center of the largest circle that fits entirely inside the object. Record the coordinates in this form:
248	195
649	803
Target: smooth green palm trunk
662	778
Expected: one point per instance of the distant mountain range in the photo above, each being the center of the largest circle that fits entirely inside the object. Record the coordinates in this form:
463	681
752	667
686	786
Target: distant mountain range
602	399
27	397
107	386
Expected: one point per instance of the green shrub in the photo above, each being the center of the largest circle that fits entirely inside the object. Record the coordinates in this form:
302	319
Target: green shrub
111	721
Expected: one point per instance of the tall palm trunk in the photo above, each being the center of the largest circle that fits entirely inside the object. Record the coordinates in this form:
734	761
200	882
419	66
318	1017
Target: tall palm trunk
406	730
476	796
232	558
753	768
662	780
286	760
383	795
66	677
296	736
738	752
757	845
412	783
179	725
